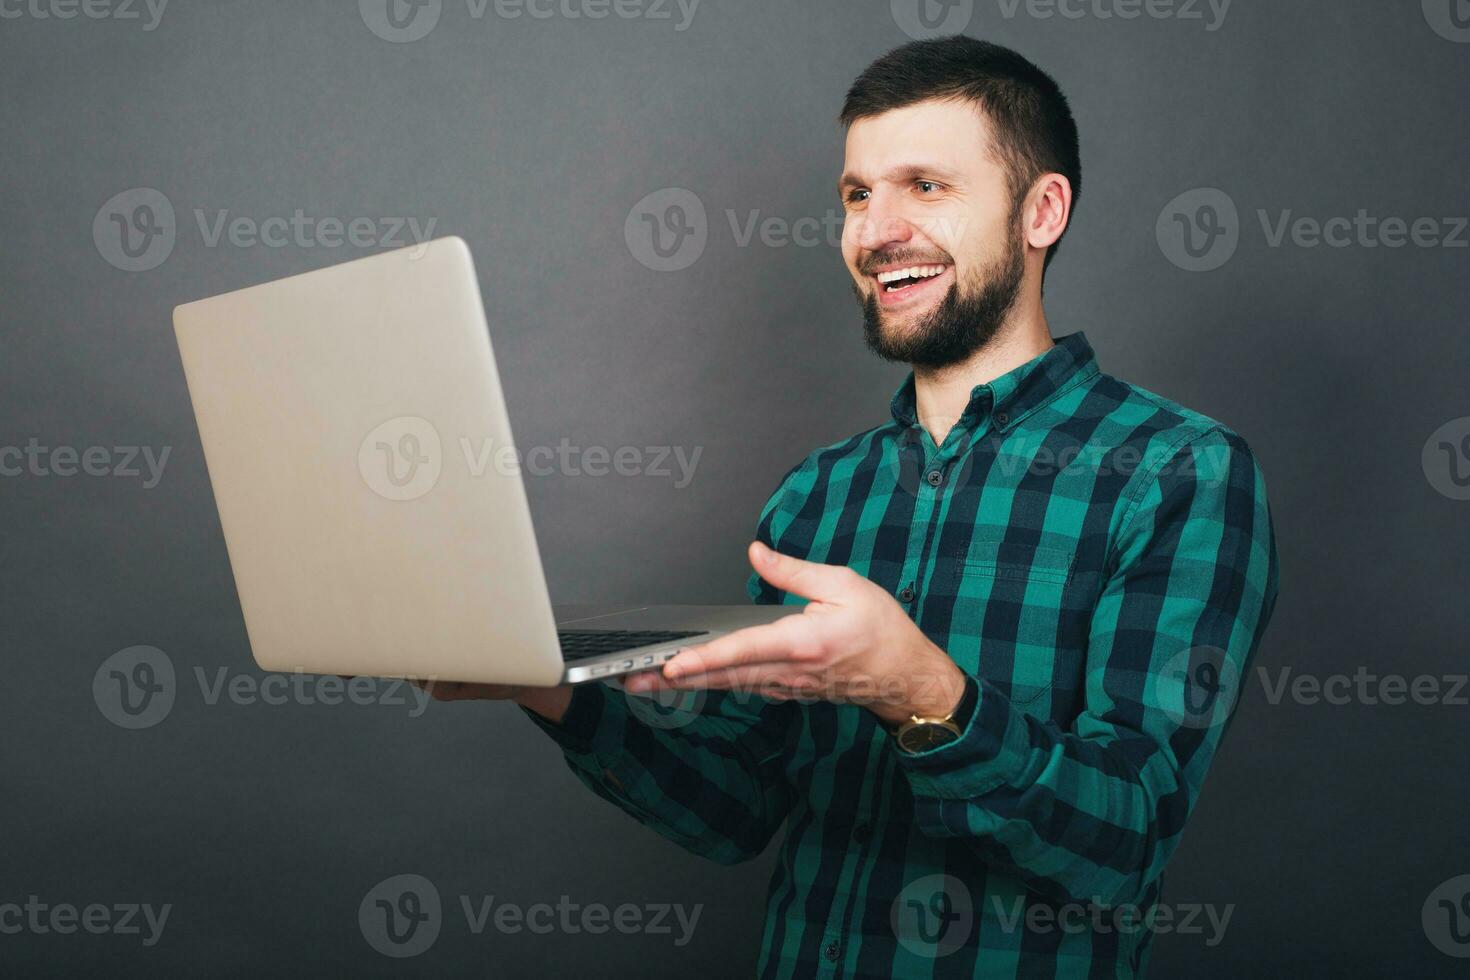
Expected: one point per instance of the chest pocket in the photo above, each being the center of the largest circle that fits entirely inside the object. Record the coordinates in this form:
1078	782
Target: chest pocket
1019	618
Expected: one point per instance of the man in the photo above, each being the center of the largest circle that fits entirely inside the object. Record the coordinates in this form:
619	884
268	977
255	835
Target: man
1028	597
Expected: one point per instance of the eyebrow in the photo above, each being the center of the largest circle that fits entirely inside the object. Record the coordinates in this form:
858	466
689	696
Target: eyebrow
906	173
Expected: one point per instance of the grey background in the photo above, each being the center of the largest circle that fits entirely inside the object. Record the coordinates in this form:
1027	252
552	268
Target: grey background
1326	826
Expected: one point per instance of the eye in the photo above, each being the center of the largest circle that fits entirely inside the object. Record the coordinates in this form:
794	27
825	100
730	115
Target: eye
857	195
927	186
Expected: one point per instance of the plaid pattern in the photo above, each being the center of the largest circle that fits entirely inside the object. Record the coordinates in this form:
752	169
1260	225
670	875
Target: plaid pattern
1101	561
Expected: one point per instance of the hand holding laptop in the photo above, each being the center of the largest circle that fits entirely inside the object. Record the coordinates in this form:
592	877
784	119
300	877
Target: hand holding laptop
852	643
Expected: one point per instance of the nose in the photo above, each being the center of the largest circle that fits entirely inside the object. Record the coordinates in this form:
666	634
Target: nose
882	224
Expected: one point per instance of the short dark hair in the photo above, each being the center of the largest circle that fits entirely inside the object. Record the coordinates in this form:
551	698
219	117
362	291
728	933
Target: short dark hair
1034	130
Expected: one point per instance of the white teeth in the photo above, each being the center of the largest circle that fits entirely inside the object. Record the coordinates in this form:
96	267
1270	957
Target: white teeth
912	272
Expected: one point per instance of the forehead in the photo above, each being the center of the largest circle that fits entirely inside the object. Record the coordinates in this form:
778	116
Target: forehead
950	133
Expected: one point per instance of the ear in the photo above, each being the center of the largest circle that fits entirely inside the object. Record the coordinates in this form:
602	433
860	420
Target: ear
1048	209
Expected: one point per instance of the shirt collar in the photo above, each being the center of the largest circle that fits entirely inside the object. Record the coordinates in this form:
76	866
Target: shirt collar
1016	394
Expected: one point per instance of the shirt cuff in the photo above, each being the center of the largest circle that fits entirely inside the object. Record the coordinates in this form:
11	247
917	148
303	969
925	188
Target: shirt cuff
991	749
589	711
969	701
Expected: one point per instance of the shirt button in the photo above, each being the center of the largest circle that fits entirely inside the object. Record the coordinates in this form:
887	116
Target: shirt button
934	477
906	594
862	833
1001	418
832	951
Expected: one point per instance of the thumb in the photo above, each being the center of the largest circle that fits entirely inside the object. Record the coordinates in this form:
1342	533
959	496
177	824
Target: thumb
808	579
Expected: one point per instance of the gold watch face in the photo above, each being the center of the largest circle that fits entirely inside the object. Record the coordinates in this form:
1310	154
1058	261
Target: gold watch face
924	736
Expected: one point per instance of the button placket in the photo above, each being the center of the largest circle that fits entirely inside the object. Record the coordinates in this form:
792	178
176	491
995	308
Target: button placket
926	500
915	442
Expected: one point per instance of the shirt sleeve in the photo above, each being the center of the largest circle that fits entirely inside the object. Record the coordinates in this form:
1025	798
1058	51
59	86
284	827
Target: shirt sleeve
1093	812
703	768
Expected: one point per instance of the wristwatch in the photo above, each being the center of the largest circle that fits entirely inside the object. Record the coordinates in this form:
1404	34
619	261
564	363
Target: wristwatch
923	734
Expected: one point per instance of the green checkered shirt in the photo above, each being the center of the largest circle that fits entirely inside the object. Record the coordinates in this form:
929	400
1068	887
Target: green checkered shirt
1101	561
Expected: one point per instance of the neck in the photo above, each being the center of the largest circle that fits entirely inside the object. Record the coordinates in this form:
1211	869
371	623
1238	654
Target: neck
941	394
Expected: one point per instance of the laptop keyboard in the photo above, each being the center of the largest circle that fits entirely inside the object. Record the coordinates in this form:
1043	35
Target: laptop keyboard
581	644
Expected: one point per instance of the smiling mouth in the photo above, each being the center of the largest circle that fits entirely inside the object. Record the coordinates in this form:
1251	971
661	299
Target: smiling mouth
912	286
897	280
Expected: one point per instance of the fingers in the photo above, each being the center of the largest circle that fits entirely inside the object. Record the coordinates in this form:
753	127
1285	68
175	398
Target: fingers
808	579
769	643
776	682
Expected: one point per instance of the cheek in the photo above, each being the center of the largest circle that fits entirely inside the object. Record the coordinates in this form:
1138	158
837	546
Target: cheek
956	229
984	240
850	248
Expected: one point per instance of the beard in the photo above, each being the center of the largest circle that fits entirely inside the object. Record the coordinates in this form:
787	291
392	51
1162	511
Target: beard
963	322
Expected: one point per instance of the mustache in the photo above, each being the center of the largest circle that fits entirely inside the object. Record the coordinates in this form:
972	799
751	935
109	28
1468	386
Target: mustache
903	256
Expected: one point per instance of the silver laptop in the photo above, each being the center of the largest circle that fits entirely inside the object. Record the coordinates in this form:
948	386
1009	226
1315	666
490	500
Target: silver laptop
356	438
